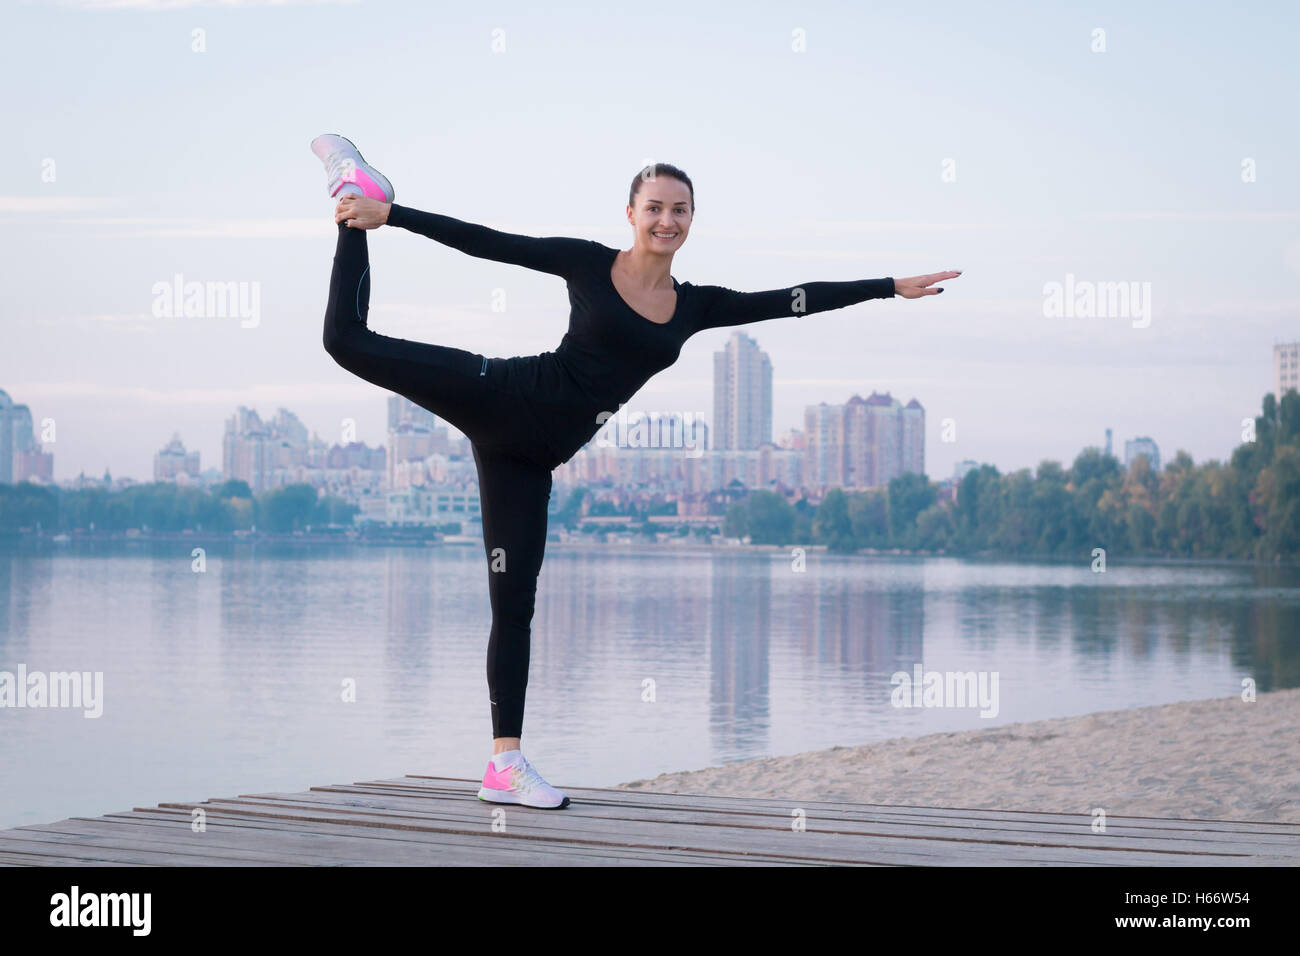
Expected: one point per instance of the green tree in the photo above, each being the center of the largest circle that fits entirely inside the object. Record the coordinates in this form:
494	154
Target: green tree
233	488
803	521
1014	532
735	523
869	519
288	508
1276	497
978	511
832	526
1052	512
770	518
571	510
909	495
934	528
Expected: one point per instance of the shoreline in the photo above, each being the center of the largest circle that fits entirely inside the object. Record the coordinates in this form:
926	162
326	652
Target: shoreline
1216	759
54	542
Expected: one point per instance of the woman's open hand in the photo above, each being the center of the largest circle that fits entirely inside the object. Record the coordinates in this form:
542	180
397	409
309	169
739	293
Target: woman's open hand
916	286
361	212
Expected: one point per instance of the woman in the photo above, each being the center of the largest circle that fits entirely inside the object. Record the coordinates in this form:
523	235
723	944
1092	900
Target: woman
526	415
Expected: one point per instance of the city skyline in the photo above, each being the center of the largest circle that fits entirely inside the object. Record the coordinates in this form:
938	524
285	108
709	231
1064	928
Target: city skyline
415	433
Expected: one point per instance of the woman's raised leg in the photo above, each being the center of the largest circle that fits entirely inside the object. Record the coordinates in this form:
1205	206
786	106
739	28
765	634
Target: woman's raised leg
447	381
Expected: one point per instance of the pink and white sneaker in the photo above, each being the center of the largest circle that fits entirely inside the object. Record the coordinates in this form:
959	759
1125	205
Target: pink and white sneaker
519	782
348	172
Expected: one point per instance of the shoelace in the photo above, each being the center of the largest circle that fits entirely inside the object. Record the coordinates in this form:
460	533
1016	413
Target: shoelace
339	164
529	778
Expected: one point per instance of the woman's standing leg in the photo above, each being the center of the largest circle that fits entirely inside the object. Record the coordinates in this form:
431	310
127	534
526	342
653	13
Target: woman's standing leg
513	494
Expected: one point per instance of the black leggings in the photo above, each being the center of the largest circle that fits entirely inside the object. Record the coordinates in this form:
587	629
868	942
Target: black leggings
469	390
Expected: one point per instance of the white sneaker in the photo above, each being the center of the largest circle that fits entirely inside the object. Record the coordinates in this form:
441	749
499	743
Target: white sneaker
519	782
348	172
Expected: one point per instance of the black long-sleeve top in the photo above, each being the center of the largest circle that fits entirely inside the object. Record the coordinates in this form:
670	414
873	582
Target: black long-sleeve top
610	350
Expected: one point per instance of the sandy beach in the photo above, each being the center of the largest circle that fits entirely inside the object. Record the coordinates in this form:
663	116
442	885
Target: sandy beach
1223	759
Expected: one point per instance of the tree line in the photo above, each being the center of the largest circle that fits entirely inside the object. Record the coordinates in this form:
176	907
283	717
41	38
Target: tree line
1247	508
167	506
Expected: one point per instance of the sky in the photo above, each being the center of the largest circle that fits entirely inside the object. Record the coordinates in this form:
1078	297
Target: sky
1027	144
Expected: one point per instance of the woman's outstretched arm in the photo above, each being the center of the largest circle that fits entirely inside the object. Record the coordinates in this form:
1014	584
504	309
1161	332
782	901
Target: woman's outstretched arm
554	254
725	306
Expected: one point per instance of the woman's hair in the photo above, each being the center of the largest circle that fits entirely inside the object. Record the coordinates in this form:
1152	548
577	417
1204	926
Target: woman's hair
659	169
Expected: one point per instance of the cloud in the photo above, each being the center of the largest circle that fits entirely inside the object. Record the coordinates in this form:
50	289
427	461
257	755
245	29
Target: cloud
284	394
1268	215
899	225
48	204
316	227
119	317
313	227
180	4
849	255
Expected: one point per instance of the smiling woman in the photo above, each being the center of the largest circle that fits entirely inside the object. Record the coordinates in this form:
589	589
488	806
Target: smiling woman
526	415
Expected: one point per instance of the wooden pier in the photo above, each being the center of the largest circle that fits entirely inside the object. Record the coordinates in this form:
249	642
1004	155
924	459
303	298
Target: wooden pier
439	821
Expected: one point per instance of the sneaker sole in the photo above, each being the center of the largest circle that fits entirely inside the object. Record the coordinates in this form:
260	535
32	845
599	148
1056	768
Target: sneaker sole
496	796
369	170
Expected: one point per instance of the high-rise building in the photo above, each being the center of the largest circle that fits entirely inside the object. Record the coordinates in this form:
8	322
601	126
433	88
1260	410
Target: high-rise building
884	440
742	394
287	426
21	457
173	462
1142	446
825	459
1286	368
864	443
245	449
913	438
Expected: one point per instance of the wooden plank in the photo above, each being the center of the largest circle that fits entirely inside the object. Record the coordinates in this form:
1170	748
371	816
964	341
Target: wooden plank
479	852
133	831
1077	834
342	830
702	801
44	859
104	833
344	847
599	820
317	814
87	851
833	848
104	848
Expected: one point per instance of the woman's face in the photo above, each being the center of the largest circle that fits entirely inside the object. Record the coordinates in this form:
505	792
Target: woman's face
661	216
